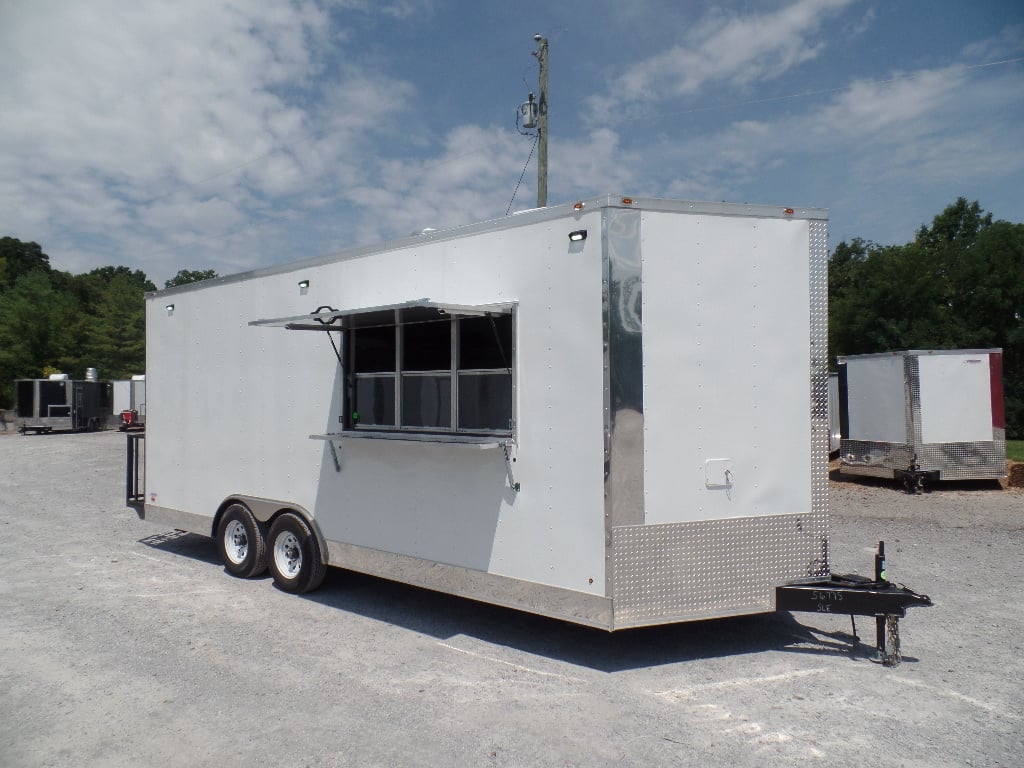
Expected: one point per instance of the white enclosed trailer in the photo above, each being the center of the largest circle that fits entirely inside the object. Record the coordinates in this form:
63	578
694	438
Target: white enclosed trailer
920	415
613	412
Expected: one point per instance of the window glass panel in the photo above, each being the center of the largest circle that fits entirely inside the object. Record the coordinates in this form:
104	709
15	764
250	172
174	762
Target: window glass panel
374	350
26	398
427	346
427	401
374	401
485	401
52	393
479	347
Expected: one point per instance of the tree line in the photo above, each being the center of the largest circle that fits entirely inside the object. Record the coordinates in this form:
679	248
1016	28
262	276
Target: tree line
57	322
958	285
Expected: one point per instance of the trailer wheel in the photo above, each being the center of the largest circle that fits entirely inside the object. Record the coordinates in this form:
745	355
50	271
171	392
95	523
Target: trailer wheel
240	539
294	556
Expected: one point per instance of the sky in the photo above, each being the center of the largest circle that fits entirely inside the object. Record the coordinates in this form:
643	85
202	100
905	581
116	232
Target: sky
235	134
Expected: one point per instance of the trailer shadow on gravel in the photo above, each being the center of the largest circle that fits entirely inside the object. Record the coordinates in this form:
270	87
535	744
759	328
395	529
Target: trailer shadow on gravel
190	545
445	616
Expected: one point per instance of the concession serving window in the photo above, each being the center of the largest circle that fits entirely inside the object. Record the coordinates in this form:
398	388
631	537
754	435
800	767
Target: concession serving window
422	370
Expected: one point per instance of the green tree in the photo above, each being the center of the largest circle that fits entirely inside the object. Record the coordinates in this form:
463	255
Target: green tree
958	285
18	258
186	276
31	317
115	338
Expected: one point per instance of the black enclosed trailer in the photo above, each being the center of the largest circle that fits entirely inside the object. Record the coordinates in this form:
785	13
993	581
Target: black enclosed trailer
62	404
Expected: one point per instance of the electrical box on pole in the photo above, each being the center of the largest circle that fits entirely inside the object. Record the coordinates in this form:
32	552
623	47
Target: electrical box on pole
528	113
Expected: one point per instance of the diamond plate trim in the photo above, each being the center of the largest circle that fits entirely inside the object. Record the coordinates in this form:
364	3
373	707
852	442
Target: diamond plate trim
981	460
874	459
820	433
709	568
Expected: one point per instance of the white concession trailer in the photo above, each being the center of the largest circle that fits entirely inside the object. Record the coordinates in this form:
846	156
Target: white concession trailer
923	415
613	412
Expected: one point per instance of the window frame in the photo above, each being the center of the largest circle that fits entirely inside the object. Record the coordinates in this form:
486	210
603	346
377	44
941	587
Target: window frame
453	372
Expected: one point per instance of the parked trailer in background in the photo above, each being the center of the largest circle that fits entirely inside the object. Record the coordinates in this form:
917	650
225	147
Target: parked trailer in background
923	415
613	412
130	403
63	404
834	433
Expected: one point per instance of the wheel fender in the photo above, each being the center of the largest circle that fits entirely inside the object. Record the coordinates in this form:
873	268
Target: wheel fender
266	510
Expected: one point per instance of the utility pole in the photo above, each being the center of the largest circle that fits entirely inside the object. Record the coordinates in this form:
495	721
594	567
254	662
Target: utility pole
542	123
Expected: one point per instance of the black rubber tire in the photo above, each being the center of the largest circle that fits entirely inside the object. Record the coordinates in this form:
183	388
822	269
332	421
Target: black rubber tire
293	555
242	542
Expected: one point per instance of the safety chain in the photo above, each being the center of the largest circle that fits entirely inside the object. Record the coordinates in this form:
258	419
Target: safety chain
891	656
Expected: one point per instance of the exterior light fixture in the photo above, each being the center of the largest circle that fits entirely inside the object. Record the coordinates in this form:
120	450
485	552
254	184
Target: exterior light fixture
577	235
303	287
170	309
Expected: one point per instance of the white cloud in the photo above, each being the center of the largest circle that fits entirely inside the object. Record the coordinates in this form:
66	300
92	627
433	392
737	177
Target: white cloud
472	178
231	134
595	163
932	127
177	119
1009	42
724	48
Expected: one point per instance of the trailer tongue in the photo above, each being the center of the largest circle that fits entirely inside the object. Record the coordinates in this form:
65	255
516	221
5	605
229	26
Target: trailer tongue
858	596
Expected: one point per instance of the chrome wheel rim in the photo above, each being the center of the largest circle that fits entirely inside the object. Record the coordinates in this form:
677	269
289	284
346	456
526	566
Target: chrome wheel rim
288	555
236	542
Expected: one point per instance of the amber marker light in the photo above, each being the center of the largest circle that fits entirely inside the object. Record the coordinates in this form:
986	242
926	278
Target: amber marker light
578	206
627	201
788	211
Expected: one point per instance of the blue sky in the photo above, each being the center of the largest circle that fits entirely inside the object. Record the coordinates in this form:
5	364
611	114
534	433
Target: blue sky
232	134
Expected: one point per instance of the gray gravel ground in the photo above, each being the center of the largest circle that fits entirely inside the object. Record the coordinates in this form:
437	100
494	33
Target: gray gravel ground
123	644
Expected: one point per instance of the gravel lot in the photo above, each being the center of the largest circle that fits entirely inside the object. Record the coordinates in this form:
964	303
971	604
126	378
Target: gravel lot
123	644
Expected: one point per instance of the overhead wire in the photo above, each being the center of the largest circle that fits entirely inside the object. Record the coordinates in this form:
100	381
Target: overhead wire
526	165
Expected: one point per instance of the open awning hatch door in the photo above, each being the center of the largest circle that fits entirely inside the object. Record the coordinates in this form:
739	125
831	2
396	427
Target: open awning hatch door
329	319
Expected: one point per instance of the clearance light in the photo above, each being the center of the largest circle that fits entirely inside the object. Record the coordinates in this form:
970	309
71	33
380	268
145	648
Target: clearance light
577	235
788	211
578	206
627	201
